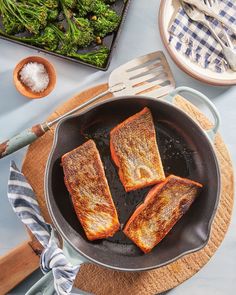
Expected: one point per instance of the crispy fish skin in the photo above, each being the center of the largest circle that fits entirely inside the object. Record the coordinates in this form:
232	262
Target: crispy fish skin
135	152
163	206
86	182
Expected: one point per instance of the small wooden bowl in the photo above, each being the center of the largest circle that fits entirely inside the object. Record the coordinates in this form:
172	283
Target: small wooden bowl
26	91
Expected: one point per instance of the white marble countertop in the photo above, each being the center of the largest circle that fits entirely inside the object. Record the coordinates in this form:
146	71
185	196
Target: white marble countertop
139	36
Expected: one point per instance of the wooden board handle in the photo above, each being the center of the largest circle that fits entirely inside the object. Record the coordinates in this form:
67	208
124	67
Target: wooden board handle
16	265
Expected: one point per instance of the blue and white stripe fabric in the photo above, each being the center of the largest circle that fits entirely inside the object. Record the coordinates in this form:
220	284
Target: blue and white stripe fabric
25	205
195	41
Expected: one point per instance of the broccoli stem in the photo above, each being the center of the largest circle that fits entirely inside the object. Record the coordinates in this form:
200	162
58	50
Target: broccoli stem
32	17
79	30
47	39
97	58
70	3
52	4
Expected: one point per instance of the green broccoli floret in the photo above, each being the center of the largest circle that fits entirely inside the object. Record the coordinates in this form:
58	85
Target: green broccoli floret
97	58
48	39
84	26
103	26
64	47
52	4
79	34
11	24
87	6
99	7
79	31
31	17
52	14
105	20
70	3
84	6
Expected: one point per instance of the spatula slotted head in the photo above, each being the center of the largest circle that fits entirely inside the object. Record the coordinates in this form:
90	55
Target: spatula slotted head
148	75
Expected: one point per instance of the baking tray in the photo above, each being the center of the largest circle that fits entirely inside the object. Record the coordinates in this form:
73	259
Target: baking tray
110	41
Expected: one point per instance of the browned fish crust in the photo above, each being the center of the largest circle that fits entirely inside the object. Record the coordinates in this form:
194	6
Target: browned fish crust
164	205
135	152
86	182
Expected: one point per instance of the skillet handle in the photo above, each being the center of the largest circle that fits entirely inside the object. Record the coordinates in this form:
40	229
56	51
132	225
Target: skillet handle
45	286
22	139
211	133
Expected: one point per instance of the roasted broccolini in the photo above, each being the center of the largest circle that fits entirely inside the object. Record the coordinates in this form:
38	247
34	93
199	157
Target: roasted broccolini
97	57
29	16
62	26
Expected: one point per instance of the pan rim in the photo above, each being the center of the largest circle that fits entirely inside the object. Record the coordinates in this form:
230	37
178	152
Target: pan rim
59	228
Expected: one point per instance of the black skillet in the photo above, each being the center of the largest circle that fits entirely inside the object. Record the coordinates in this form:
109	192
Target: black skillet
186	151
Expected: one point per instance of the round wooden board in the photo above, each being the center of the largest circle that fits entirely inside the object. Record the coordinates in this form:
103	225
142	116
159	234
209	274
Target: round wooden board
101	281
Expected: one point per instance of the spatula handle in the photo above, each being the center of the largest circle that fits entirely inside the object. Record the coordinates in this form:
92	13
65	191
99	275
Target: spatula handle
29	135
22	139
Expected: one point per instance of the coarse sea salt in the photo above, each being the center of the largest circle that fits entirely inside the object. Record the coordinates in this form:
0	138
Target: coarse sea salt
35	76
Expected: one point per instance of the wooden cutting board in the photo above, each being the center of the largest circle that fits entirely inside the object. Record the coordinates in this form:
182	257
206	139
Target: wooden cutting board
101	281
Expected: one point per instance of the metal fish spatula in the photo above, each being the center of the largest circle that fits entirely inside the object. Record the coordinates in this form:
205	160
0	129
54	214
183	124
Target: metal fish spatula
148	75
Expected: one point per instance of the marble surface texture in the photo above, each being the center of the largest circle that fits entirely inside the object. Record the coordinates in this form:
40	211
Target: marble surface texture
139	36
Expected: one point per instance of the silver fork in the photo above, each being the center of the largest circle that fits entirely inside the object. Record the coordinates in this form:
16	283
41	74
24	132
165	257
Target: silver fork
214	6
210	8
213	3
198	16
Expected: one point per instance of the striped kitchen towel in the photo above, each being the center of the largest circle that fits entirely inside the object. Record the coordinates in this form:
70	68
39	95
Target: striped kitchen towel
25	205
195	41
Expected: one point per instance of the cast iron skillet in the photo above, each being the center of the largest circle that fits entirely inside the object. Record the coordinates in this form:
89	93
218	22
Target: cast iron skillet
185	150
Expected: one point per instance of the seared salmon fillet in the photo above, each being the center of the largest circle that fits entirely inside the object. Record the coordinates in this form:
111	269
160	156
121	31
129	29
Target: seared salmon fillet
164	205
86	182
135	152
